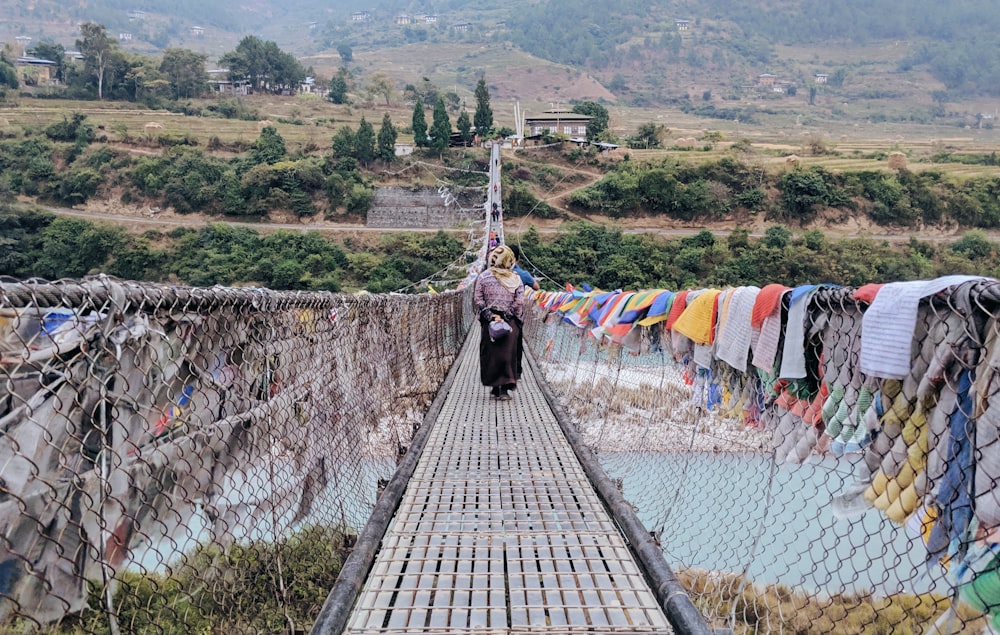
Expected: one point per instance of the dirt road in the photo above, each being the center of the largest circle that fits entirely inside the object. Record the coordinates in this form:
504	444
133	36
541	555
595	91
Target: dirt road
514	225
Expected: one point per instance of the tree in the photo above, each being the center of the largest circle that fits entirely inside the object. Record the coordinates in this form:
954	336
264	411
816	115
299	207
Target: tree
385	146
974	245
419	125
264	65
286	71
426	91
54	53
940	98
802	191
345	52
598	114
440	127
338	87
97	50
74	248
364	142
269	147
648	136
381	85
777	237
464	126
140	77
8	76
185	70
483	117
247	61
343	142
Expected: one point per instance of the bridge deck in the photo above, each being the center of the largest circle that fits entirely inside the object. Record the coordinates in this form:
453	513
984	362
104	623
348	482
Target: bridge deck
500	531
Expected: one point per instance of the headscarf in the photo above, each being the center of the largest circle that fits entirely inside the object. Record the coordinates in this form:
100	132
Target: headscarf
501	261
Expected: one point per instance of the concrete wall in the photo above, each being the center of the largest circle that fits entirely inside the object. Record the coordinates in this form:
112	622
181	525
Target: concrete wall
403	207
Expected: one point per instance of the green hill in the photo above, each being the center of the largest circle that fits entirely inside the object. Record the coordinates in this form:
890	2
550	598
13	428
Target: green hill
874	60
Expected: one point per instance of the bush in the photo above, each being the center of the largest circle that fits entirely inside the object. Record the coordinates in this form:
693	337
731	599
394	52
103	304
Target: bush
802	191
78	185
187	602
103	157
232	109
519	201
74	129
359	200
752	199
171	140
974	245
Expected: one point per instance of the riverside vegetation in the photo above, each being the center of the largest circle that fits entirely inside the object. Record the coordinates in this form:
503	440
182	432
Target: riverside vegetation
68	162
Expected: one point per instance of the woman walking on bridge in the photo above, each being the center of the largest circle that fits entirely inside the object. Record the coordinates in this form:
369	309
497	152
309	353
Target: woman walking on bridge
499	297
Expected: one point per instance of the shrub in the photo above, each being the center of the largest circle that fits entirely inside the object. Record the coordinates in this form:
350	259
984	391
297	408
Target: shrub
185	603
359	200
78	185
519	201
974	245
752	199
74	129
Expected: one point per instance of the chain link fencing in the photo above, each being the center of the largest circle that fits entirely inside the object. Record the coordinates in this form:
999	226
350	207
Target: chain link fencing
803	474
199	460
178	460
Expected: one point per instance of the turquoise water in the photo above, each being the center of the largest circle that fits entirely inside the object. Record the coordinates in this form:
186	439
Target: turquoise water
731	512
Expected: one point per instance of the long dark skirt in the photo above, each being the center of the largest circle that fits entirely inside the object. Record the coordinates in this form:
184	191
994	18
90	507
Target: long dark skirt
500	361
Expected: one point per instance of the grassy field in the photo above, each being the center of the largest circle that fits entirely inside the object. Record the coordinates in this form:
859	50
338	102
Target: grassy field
301	120
308	122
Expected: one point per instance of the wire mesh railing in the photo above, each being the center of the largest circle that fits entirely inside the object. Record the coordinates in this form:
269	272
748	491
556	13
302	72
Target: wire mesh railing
181	460
812	460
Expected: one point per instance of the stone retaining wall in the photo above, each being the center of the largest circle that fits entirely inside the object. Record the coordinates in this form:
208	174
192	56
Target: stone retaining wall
404	208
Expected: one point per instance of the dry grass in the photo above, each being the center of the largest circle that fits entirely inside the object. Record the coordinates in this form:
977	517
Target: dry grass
777	608
316	121
510	73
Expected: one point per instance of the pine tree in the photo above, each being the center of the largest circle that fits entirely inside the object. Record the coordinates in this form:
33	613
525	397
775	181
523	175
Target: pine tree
440	127
386	145
419	125
464	125
338	87
364	142
483	119
343	142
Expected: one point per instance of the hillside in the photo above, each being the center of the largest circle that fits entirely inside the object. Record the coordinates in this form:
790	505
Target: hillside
906	60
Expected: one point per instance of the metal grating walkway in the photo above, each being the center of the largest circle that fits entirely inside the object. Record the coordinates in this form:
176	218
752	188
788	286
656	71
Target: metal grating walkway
500	531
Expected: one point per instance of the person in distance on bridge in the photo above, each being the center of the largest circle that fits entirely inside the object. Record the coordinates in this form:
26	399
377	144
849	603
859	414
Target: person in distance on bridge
499	295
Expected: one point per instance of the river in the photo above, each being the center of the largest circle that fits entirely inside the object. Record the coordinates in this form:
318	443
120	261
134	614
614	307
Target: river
729	511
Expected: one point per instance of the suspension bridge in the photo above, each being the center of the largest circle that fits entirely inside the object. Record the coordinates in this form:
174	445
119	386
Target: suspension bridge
249	461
